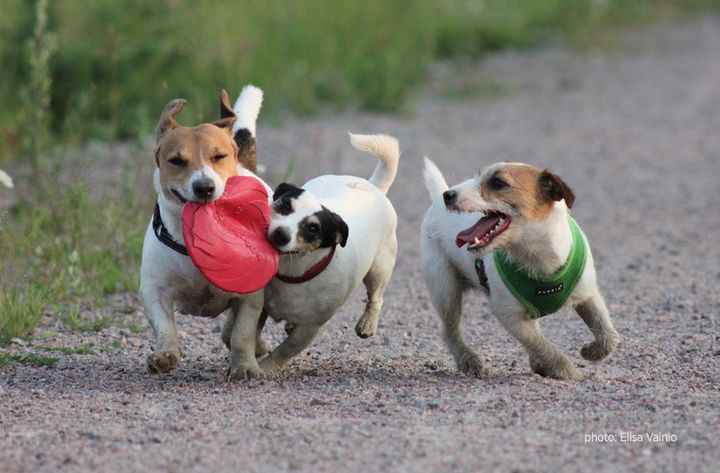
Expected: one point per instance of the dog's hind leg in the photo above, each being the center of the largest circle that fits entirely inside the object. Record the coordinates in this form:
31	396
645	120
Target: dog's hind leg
228	328
545	358
166	351
596	316
299	338
260	348
376	280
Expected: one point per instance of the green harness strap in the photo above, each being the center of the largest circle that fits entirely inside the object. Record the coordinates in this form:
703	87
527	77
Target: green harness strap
544	296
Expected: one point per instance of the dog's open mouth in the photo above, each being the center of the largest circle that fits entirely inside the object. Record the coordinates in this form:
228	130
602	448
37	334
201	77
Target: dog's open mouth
483	231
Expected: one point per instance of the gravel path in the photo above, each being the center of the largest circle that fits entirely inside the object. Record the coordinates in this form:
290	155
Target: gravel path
635	131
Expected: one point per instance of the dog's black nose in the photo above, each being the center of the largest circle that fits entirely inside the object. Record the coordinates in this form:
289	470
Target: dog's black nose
449	197
204	188
279	237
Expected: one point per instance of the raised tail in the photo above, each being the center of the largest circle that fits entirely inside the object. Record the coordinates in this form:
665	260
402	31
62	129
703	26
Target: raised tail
387	150
247	108
434	181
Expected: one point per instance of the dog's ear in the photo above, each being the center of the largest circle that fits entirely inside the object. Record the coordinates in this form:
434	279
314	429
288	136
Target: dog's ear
283	189
227	115
554	188
335	230
226	110
167	118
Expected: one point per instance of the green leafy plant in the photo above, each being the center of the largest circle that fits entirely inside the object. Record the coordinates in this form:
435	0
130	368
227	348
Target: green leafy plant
28	358
20	312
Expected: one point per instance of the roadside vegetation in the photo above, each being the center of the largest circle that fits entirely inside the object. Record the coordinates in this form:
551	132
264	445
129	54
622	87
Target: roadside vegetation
85	70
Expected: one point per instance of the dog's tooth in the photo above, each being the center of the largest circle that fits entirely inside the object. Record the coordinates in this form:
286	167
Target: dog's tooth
477	241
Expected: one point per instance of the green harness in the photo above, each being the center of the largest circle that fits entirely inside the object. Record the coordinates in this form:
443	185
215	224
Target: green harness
547	295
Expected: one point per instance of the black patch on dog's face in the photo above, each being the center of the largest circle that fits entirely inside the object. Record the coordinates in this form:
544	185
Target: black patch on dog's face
283	197
324	229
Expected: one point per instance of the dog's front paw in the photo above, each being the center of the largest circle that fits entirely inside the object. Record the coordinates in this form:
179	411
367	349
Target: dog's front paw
558	369
366	326
597	350
246	370
270	367
471	365
163	361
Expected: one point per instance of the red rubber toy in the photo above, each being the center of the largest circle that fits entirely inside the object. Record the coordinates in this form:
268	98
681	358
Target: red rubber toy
227	238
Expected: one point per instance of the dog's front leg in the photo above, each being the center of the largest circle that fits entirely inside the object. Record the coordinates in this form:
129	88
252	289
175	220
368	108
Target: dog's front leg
299	338
446	295
545	358
246	314
159	311
596	316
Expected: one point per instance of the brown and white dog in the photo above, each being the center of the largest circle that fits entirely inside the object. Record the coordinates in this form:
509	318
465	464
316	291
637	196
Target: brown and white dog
524	211
193	164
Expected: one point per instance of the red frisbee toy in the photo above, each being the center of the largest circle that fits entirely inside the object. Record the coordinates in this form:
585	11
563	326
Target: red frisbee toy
227	238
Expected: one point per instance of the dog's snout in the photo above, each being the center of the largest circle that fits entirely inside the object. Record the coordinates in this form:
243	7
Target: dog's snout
450	197
204	188
280	237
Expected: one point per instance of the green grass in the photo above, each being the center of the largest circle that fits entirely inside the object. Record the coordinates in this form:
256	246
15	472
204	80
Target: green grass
63	250
117	63
20	311
81	350
76	323
28	358
134	327
114	346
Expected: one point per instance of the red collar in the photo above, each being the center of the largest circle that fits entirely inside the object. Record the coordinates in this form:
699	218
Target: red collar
316	269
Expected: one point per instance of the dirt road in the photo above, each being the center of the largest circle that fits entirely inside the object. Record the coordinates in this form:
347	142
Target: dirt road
635	130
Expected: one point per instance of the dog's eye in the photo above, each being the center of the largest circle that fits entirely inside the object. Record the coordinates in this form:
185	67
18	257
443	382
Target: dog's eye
313	228
218	157
496	183
284	206
177	161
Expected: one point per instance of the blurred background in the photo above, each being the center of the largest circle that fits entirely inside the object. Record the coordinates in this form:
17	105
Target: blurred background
82	84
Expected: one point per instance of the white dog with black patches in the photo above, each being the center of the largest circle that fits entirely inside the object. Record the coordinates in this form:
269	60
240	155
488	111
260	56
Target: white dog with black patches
523	250
333	233
193	164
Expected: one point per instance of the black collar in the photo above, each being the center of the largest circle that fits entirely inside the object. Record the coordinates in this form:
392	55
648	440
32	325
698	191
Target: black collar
163	235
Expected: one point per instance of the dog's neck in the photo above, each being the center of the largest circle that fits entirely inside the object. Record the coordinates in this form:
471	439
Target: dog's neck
544	247
171	215
296	265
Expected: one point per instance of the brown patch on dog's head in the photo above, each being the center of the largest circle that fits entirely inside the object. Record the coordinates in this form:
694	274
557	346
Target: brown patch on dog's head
529	191
508	195
182	153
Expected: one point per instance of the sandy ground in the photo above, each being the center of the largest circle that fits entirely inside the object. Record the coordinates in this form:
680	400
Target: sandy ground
635	131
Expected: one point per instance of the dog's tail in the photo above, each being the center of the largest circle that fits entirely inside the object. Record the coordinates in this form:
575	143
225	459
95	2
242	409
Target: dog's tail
247	108
434	181
387	150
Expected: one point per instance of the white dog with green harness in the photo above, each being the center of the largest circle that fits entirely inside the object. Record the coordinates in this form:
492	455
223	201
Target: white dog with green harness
524	250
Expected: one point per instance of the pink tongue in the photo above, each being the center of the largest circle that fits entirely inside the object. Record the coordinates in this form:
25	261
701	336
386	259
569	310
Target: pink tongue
467	236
